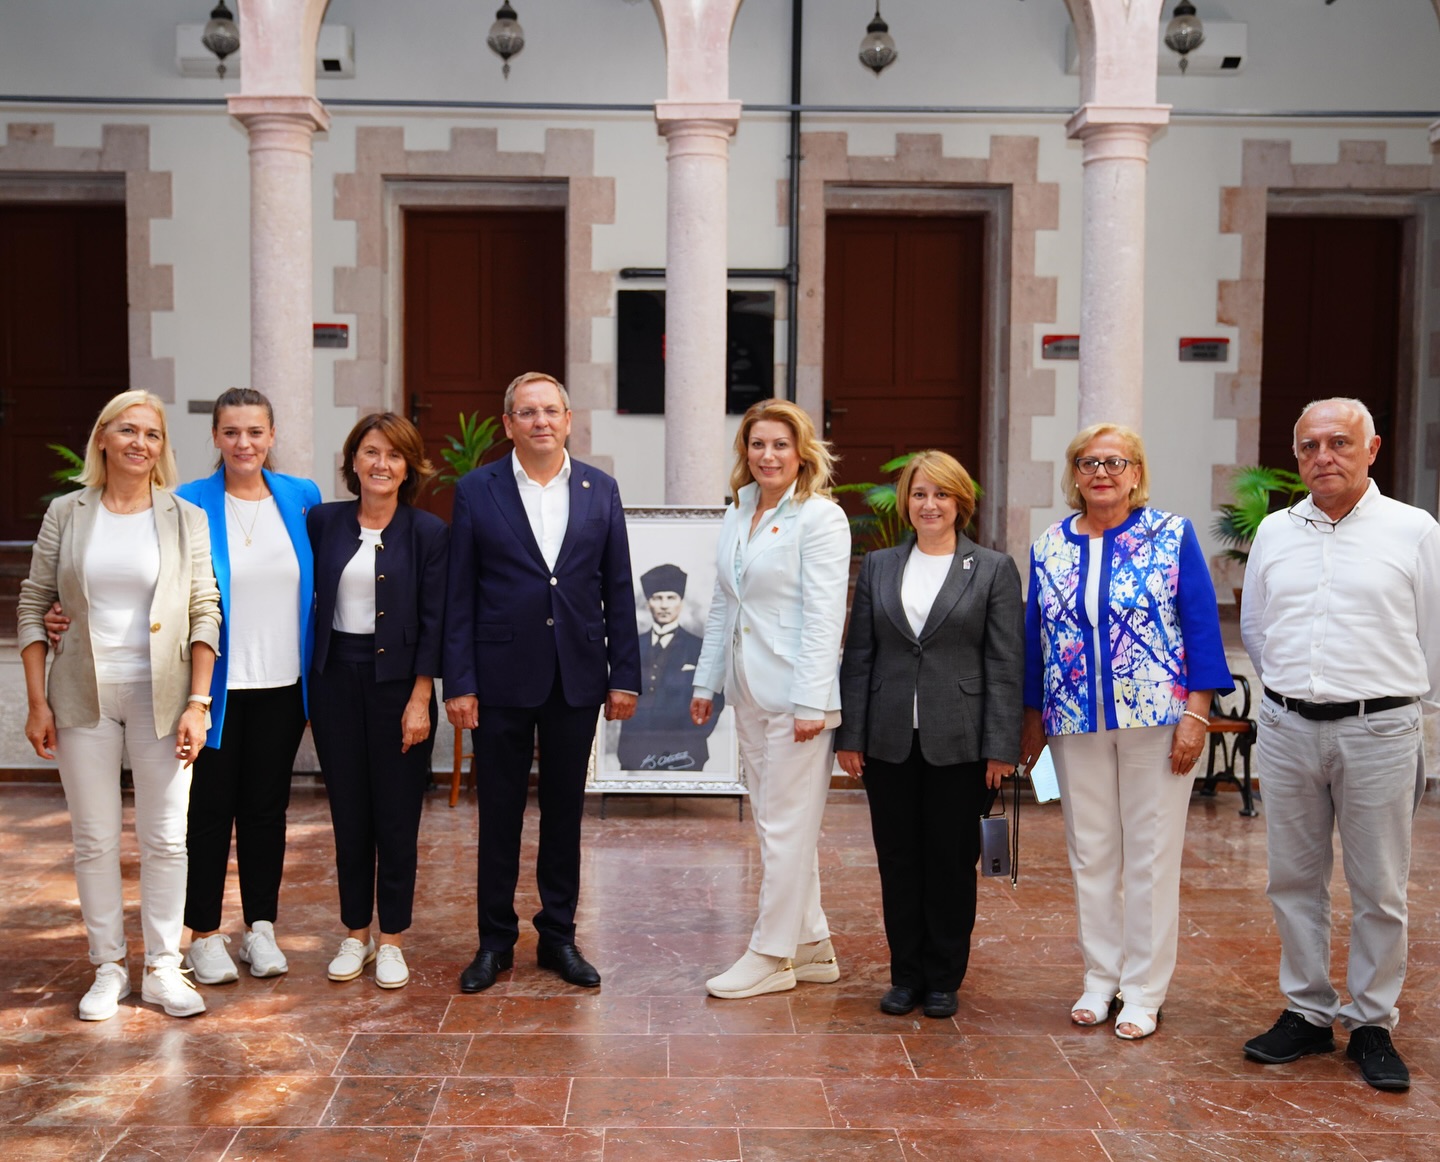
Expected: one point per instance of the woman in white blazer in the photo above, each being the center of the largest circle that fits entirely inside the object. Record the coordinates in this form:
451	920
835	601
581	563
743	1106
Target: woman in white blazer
772	643
130	561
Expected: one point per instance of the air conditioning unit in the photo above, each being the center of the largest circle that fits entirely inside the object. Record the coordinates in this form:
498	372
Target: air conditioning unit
1222	55
334	53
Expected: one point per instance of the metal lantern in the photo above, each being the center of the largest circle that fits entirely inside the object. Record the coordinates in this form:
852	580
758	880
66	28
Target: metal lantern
221	36
877	50
1184	33
506	37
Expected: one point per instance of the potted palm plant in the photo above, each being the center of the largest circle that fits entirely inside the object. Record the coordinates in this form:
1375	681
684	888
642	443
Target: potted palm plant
1259	491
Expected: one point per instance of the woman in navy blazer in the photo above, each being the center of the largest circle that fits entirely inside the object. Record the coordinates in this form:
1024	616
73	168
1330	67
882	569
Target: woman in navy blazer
262	561
380	568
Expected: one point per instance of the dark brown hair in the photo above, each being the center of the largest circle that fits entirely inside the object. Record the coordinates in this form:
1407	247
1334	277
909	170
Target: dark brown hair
243	397
407	441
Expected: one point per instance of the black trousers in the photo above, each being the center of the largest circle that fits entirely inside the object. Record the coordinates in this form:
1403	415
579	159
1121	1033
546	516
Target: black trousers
504	743
245	785
925	820
376	792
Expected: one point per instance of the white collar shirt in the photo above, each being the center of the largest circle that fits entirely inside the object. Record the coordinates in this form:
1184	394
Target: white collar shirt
547	507
1348	614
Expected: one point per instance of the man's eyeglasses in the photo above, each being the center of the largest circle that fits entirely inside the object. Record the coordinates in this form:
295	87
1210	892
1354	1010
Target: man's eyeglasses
530	415
1113	465
1319	523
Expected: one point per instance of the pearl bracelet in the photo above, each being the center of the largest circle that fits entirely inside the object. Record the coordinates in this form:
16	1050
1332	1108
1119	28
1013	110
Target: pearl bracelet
1200	718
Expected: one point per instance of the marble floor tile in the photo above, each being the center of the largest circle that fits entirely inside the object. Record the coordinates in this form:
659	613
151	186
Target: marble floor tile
648	1066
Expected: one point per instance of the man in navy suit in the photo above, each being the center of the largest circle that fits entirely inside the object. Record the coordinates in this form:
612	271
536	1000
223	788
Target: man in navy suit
539	635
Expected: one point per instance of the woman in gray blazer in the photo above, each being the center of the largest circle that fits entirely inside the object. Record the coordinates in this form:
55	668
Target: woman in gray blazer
130	561
930	686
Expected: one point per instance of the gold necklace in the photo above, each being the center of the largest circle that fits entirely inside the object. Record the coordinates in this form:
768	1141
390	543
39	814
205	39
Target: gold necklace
239	521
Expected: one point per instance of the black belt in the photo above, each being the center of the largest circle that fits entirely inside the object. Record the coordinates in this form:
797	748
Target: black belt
1330	711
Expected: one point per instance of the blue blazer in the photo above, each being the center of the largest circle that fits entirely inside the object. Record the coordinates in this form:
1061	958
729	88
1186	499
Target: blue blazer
293	496
409	586
510	621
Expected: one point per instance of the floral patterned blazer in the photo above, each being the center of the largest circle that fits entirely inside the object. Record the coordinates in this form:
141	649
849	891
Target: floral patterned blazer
1159	628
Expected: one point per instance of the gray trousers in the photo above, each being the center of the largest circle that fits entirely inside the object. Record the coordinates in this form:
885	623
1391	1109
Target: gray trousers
1366	776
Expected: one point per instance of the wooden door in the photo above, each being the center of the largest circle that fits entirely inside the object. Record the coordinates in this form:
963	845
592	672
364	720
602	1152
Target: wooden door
1332	327
484	301
64	348
903	319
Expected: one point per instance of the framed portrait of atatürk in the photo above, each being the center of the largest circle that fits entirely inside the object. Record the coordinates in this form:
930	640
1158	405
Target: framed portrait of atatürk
660	750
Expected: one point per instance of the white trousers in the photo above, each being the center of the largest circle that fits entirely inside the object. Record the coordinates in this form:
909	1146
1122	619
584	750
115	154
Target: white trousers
788	784
89	758
1125	831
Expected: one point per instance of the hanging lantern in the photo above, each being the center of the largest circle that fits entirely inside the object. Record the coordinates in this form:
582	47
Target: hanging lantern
877	50
506	37
1184	33
221	35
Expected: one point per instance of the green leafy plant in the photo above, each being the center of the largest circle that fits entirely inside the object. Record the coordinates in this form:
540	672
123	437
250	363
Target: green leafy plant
881	527
66	475
465	452
1259	491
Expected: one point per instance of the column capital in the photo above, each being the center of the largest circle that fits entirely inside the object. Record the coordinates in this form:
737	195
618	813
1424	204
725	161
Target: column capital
1089	118
246	108
691	116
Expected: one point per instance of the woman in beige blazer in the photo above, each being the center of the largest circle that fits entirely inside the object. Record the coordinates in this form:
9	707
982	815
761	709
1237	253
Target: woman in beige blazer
130	562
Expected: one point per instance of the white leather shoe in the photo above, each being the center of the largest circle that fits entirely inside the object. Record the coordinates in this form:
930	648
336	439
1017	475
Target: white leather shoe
209	961
751	975
351	960
817	962
391	971
169	987
102	1001
259	950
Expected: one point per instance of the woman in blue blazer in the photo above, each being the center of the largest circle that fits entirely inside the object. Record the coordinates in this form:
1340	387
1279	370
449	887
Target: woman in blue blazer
380	568
262	562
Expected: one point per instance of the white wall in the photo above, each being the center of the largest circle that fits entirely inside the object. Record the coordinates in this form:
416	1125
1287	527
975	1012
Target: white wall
1379	54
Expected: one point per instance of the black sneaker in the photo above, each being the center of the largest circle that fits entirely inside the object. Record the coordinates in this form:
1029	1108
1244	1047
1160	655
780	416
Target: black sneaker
1290	1038
1380	1065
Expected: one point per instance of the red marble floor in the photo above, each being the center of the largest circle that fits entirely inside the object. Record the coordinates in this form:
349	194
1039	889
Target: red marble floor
648	1067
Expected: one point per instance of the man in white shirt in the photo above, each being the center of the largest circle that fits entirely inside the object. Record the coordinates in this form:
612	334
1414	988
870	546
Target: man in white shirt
539	635
1341	617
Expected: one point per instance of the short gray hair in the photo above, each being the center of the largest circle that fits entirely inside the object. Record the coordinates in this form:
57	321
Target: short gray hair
533	377
1355	405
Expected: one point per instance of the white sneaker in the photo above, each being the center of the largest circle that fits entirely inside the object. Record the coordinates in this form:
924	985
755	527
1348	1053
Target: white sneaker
391	971
351	960
817	963
259	950
112	985
171	989
753	974
209	961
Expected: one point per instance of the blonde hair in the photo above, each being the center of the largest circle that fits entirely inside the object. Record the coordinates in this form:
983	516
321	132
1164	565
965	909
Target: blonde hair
817	461
946	473
533	377
163	474
1135	453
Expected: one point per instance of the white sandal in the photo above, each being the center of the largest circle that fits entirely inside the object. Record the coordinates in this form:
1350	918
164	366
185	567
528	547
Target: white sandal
1139	1018
1097	1006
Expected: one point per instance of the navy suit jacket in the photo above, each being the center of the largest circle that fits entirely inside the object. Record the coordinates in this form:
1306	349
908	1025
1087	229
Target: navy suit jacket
409	586
510	620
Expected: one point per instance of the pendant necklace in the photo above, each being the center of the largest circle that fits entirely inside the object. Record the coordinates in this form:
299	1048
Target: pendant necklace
239	521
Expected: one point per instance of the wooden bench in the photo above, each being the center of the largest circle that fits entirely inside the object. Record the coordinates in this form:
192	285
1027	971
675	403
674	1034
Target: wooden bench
1232	738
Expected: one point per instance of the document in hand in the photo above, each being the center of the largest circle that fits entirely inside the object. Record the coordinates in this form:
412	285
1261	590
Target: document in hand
1042	778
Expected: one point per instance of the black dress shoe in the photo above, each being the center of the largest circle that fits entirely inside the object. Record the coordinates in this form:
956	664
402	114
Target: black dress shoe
483	970
939	1003
899	1000
1371	1048
567	961
1289	1039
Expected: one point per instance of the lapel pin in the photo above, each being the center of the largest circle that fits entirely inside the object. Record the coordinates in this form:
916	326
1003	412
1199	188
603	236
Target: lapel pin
584	484
775	528
969	561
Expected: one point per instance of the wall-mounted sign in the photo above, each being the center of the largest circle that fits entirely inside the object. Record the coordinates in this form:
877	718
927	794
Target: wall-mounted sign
1060	347
1204	350
332	334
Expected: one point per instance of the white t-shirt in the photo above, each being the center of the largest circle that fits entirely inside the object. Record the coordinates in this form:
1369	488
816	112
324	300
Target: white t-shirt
264	615
355	596
122	565
924	575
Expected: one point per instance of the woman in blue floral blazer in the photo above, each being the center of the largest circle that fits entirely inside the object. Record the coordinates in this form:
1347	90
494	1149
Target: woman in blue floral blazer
1123	654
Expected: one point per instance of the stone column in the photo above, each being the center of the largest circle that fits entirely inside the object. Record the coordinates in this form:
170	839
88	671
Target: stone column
1112	273
282	362
696	452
